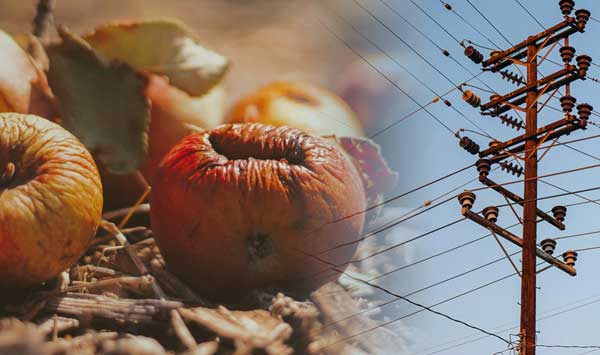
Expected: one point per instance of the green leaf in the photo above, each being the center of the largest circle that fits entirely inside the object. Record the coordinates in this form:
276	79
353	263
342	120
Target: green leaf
102	103
163	47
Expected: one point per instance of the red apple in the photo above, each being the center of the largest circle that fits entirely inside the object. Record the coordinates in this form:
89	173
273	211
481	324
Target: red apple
50	199
243	205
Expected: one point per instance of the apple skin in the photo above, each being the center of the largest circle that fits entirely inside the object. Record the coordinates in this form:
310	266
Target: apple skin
241	207
321	112
300	105
175	114
51	207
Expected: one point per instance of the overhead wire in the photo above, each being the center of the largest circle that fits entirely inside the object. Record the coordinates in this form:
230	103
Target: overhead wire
392	82
489	22
530	14
451	278
468	23
551	315
438	228
408	45
435	21
445	52
422	308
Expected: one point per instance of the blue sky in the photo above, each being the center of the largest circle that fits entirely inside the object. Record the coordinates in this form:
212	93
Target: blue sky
421	149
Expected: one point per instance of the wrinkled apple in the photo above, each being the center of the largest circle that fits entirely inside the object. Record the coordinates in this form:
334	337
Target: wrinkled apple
50	199
318	111
244	205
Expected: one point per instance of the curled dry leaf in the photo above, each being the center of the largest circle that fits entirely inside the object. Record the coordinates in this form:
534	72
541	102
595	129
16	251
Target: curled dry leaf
102	103
23	85
164	47
378	178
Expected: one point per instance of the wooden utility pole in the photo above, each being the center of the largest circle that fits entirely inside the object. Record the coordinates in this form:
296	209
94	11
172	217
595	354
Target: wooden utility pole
525	148
528	270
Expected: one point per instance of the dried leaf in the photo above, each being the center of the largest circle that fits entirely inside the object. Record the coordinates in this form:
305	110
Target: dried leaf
377	175
102	103
163	47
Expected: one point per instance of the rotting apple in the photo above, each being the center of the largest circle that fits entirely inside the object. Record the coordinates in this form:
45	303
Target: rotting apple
50	199
321	112
245	205
300	105
23	85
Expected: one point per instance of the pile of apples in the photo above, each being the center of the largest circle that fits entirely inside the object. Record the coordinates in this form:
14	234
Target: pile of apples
239	201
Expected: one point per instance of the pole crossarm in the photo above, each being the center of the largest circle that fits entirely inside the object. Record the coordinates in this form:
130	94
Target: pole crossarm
517	241
558	133
552	79
571	122
550	35
521	100
518	199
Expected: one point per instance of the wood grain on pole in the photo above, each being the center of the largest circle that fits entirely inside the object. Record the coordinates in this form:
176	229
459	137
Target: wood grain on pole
528	281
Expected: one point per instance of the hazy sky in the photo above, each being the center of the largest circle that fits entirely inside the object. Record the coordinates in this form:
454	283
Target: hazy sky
422	150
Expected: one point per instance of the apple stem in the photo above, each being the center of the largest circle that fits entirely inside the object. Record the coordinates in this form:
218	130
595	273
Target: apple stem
8	174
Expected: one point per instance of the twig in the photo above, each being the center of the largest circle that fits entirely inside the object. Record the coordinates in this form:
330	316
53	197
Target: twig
136	205
144	208
122	310
252	330
176	286
44	17
183	333
57	324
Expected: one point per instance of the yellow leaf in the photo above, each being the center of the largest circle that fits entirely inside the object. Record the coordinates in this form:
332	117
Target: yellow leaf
163	47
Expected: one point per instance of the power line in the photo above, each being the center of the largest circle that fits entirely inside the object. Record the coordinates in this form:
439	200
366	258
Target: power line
568	346
422	58
435	21
451	278
448	54
422	307
419	80
468	23
439	228
427	203
425	288
490	22
421	107
502	328
434	305
530	14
